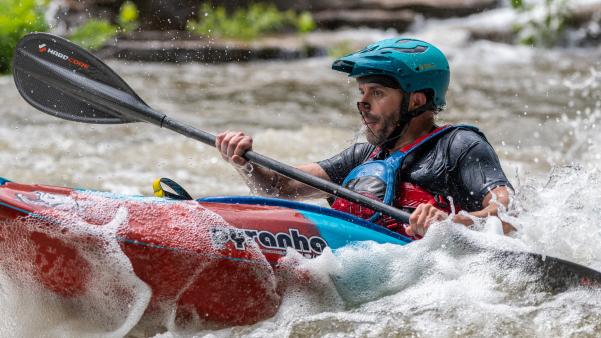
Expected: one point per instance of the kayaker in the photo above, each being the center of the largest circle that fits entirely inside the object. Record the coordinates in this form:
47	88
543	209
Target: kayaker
409	161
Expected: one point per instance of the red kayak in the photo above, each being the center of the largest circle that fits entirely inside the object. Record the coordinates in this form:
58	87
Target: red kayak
217	259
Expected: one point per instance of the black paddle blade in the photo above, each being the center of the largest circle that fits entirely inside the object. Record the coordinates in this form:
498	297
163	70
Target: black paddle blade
554	274
52	74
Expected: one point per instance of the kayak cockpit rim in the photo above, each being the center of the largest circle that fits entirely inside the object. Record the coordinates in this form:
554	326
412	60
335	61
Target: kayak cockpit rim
276	202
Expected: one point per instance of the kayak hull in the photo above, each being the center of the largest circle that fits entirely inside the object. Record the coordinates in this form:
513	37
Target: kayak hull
216	259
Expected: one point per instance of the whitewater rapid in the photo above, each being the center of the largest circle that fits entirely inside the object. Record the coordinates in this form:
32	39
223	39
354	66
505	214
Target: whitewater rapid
540	110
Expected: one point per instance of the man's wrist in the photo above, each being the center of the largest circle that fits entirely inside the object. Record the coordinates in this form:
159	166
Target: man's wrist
247	169
463	219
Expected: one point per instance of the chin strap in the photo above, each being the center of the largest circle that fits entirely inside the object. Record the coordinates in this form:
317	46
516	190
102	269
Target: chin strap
404	119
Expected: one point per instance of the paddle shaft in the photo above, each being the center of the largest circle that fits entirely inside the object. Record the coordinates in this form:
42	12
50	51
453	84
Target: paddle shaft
131	108
291	172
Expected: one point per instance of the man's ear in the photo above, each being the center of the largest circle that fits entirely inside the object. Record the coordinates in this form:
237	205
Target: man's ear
417	99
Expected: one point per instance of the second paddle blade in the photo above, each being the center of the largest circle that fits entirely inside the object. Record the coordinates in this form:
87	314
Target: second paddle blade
37	64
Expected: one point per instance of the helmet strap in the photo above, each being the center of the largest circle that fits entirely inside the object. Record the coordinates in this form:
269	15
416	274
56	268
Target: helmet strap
405	117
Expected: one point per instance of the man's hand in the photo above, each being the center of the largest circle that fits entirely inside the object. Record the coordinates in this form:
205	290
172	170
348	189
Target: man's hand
422	217
232	145
263	181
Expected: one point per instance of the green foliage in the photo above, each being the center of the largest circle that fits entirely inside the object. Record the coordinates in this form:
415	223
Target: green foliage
340	49
248	23
305	22
93	34
542	22
128	16
17	18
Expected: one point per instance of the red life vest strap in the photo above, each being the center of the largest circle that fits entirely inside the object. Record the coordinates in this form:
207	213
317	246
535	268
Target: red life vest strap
421	138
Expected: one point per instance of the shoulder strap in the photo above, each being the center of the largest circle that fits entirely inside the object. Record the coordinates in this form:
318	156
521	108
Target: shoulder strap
435	134
373	154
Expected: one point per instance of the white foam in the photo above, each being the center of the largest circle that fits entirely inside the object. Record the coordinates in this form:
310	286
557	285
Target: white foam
105	299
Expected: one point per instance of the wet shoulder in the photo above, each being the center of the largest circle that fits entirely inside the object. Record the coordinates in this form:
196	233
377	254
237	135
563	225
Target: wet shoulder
363	150
338	166
459	141
462	138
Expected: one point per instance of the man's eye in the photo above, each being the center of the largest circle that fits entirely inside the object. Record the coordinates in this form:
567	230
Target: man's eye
378	93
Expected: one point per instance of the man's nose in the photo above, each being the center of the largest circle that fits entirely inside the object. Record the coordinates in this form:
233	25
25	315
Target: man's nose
363	107
364	97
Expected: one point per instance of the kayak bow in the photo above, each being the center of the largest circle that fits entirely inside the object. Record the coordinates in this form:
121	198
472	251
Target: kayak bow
215	257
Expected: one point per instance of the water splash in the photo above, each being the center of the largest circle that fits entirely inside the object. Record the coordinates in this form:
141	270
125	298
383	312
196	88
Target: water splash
560	217
79	283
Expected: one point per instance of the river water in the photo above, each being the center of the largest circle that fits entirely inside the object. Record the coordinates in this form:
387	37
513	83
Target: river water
539	109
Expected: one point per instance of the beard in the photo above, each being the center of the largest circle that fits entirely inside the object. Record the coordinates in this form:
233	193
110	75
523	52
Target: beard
378	137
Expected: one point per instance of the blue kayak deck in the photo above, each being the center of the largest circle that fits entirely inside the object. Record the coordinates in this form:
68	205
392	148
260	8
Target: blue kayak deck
276	202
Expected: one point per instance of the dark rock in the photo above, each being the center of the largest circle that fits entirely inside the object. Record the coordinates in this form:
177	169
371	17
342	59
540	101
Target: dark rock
399	14
584	14
176	46
170	15
166	14
87	5
154	14
75	13
585	22
166	35
435	8
232	5
377	18
315	5
497	35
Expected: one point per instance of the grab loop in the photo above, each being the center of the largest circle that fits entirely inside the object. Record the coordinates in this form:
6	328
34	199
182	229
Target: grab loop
179	193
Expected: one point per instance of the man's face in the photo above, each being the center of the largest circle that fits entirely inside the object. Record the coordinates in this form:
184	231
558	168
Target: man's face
381	113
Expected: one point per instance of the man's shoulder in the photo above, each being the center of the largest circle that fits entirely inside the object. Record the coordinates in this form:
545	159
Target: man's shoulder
362	149
463	137
339	165
353	155
362	145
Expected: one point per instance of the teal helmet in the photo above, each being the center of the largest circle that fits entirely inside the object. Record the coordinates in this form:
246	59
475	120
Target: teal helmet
416	65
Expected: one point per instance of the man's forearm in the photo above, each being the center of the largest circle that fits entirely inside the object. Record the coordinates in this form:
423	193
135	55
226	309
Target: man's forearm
491	209
266	182
486	212
260	180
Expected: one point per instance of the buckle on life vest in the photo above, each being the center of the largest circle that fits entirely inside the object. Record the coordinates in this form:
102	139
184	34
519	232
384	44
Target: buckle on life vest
441	202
